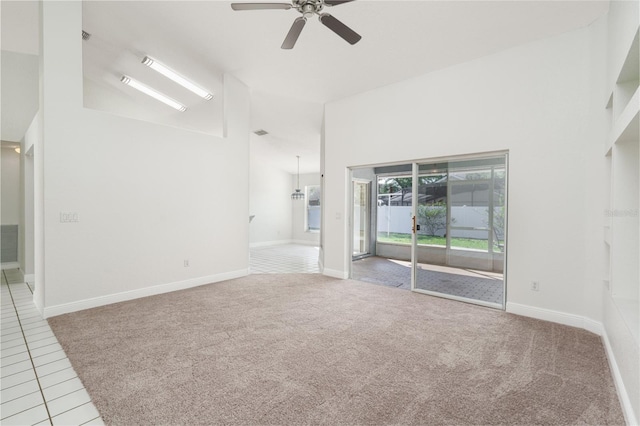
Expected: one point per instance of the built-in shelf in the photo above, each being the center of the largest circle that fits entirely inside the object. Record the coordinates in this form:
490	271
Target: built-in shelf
621	274
627	125
621	199
631	67
630	311
623	102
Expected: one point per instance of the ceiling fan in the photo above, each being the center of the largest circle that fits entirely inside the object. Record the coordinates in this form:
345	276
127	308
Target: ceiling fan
307	8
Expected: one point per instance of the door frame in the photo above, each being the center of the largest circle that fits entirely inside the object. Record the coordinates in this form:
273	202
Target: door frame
367	182
414	240
414	174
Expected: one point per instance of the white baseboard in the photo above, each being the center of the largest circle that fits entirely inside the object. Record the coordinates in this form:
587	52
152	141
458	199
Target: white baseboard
80	305
334	273
39	302
10	265
270	243
30	278
627	408
547	315
282	242
306	243
593	326
589	325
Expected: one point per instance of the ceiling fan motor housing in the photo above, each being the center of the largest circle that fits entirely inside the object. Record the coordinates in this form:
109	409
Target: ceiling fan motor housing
308	7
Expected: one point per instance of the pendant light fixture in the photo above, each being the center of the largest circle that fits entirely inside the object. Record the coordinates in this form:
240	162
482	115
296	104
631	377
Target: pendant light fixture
298	195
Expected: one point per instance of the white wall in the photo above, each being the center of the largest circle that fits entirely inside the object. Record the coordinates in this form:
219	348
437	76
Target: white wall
544	103
27	261
532	101
10	169
278	219
11	207
147	196
299	234
19	101
104	97
270	202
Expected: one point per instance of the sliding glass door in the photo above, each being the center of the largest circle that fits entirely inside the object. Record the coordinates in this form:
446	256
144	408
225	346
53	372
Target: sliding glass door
433	227
458	244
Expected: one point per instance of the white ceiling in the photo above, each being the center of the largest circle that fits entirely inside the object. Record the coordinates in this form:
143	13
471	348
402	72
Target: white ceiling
19	29
205	39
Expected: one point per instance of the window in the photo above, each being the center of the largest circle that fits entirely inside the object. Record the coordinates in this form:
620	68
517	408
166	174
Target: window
312	218
464	199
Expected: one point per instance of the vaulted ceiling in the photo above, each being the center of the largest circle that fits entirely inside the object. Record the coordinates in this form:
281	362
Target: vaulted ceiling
206	39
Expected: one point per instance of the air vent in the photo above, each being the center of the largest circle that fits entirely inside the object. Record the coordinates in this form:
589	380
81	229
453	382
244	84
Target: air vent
85	35
261	132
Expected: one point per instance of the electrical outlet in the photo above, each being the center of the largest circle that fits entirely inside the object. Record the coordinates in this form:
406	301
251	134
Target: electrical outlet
186	263
535	286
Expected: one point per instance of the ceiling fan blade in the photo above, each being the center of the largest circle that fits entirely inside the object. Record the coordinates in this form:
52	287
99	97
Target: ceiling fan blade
294	33
339	28
260	6
336	2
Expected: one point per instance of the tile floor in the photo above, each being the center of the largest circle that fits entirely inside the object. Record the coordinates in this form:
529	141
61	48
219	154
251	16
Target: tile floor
470	284
38	384
285	259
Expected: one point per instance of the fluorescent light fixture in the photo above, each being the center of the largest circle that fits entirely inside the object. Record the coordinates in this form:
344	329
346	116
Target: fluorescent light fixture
154	94
17	149
172	75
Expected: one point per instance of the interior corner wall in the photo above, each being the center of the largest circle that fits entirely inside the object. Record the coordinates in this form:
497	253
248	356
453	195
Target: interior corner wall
21	206
594	164
270	204
299	234
323	218
28	194
147	197
531	100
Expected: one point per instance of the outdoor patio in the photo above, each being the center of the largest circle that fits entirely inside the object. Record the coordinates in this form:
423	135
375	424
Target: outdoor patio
467	283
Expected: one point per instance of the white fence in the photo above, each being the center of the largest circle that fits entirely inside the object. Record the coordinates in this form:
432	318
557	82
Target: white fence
313	218
397	219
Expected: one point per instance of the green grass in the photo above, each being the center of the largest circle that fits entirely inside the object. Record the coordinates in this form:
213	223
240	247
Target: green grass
396	238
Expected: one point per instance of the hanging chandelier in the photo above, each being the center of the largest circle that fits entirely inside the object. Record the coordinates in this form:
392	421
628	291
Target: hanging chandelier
298	195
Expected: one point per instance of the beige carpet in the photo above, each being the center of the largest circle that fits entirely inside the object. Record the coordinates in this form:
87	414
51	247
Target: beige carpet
307	349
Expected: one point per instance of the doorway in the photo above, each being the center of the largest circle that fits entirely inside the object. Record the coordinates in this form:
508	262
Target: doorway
361	218
389	259
440	229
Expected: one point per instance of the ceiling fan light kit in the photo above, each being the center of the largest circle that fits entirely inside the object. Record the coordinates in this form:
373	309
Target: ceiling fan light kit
308	8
